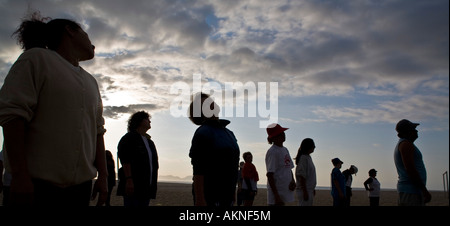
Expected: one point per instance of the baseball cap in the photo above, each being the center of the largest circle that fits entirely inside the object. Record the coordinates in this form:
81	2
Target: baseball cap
372	171
336	161
355	169
405	125
274	129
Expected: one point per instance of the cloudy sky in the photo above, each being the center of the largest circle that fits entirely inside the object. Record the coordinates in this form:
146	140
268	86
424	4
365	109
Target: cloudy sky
346	72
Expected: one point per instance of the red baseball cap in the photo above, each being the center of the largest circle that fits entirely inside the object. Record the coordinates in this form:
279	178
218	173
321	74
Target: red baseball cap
274	129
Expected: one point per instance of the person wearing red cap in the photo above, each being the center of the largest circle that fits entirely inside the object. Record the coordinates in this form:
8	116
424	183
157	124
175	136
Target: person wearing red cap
279	165
412	175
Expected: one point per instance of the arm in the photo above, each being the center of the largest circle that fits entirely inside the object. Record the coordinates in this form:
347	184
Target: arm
1	174
271	180
21	186
302	181
199	184
129	185
368	181
336	184
406	150
292	184
101	184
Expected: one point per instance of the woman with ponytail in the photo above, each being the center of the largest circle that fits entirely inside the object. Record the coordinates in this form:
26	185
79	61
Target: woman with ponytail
51	114
305	173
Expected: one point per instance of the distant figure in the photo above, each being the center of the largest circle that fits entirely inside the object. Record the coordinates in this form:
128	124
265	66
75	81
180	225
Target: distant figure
412	175
280	180
337	183
110	165
348	183
250	179
240	194
5	181
139	158
214	155
374	187
305	173
51	113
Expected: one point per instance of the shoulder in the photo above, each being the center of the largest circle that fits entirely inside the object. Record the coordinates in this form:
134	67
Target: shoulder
128	136
38	53
305	159
406	146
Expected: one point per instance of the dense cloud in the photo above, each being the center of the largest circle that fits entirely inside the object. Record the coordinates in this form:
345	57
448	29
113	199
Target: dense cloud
324	48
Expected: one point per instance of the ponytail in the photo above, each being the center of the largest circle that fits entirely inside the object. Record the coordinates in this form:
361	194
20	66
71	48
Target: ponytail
35	32
31	32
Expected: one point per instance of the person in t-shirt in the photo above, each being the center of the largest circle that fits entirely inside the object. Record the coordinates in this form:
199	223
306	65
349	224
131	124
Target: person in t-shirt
373	186
305	173
250	179
348	183
279	165
337	183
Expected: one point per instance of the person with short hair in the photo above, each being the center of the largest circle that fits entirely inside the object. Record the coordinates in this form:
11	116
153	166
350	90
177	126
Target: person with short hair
250	179
214	155
139	158
412	174
374	187
337	183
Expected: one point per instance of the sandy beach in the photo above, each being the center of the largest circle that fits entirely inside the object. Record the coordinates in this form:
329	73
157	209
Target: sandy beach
180	194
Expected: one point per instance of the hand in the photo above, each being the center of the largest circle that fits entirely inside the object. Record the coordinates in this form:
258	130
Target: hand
101	188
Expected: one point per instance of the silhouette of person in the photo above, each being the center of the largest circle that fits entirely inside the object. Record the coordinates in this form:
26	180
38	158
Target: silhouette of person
110	165
337	183
348	183
279	165
5	181
250	179
374	187
305	173
412	174
139	158
214	155
239	195
51	113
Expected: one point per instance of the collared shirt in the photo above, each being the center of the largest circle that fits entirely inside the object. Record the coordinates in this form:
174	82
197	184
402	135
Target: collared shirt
62	107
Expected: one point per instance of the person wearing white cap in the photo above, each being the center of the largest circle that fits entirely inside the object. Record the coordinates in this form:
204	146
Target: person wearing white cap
348	182
412	175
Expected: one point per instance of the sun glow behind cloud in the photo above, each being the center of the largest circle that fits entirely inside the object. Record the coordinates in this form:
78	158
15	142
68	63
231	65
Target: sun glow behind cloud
346	63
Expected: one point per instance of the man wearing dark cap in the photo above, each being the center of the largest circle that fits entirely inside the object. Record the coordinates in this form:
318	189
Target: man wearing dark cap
412	175
337	183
